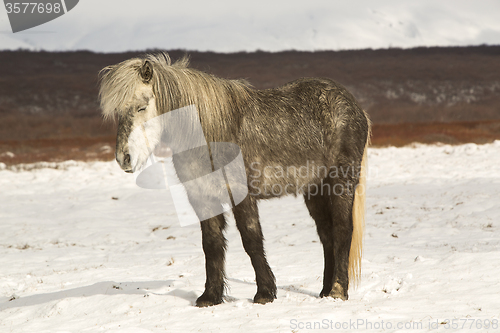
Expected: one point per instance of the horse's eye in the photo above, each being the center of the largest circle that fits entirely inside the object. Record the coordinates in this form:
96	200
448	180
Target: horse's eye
141	109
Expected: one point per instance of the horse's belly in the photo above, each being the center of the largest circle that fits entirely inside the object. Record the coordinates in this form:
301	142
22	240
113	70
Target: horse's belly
276	180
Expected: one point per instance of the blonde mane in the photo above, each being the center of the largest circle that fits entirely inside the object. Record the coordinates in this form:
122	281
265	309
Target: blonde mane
175	85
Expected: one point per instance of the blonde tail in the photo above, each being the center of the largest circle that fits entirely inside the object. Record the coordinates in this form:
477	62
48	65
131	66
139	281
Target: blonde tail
358	221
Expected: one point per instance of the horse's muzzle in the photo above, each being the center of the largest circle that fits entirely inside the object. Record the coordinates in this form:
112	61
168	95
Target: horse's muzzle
124	162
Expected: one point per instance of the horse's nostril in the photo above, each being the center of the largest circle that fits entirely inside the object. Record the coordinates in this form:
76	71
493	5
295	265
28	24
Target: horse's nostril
126	160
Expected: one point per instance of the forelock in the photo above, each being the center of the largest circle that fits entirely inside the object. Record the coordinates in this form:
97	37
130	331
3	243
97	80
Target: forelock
118	84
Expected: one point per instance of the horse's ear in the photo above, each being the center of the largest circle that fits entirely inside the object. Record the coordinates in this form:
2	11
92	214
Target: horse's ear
146	72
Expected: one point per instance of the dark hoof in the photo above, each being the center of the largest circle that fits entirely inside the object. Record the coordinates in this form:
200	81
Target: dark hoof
207	300
337	292
263	298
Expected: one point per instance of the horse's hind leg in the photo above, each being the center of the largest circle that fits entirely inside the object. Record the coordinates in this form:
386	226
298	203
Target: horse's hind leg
246	215
332	214
319	209
342	201
214	246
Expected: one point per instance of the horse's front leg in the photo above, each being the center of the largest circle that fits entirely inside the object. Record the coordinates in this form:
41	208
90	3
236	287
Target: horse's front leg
246	215
214	246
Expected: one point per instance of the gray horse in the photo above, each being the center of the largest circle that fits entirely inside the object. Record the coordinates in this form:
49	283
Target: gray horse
307	137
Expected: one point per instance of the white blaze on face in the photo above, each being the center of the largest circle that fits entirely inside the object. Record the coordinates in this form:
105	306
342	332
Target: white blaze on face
146	131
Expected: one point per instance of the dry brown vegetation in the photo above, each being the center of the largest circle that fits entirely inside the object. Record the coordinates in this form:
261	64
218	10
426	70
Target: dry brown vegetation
448	133
49	109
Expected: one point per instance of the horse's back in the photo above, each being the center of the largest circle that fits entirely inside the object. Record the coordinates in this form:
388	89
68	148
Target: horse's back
302	114
290	133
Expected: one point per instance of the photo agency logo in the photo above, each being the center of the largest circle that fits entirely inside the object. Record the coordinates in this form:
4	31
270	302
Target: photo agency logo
205	180
26	15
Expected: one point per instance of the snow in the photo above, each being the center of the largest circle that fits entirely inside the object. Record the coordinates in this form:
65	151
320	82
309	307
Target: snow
83	249
231	26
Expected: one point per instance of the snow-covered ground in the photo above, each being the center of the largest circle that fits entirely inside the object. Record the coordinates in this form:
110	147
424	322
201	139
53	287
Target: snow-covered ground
83	249
230	26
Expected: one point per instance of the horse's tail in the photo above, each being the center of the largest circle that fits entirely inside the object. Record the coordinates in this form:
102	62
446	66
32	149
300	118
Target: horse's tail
358	220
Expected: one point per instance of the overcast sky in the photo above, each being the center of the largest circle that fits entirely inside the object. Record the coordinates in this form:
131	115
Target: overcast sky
271	25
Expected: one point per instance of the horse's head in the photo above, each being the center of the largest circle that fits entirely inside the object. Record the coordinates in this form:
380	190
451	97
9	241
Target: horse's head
143	94
126	92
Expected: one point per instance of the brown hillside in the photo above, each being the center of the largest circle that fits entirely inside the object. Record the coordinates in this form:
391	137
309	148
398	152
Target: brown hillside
49	109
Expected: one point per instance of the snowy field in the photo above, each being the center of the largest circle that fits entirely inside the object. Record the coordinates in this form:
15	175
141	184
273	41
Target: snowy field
83	249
